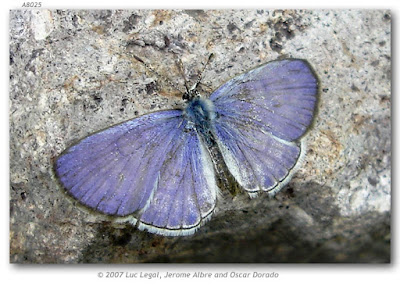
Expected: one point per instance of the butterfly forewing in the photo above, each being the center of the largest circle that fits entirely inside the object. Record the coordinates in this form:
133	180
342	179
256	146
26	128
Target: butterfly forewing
278	97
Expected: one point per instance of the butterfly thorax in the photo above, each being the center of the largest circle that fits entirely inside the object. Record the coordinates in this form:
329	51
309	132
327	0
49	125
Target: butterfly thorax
199	113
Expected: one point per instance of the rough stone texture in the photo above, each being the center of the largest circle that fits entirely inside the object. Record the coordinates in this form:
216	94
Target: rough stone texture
73	73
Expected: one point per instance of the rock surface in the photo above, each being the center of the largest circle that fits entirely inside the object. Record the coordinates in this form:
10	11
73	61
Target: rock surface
72	73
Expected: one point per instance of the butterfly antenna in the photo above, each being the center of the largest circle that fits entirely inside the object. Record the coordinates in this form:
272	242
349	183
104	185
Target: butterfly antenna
182	71
200	77
167	80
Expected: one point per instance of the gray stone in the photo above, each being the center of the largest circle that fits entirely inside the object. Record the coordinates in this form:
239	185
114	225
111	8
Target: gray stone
72	72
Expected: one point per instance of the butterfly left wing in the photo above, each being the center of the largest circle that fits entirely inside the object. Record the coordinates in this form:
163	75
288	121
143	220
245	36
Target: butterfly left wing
151	170
260	118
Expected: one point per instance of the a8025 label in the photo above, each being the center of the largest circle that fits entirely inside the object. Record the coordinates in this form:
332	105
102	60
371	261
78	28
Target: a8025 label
32	4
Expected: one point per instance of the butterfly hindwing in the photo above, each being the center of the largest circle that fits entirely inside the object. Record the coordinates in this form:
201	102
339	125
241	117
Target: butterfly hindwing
186	190
151	168
260	117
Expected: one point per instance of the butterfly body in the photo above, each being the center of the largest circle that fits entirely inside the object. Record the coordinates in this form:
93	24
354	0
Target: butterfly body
158	170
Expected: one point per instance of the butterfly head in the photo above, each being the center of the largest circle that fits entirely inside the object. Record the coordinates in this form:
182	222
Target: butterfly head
191	94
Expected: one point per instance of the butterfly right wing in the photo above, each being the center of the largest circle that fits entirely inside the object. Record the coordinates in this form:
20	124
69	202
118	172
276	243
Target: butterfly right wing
150	169
260	118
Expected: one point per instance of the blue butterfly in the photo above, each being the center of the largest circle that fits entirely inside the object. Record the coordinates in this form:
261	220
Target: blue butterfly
157	171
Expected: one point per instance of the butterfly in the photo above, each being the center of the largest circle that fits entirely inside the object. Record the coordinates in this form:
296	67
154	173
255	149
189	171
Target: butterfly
158	170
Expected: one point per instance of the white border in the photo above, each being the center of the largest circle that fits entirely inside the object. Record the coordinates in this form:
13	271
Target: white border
289	274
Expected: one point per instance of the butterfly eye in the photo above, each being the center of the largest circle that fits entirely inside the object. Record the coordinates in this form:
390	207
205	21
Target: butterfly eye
185	96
